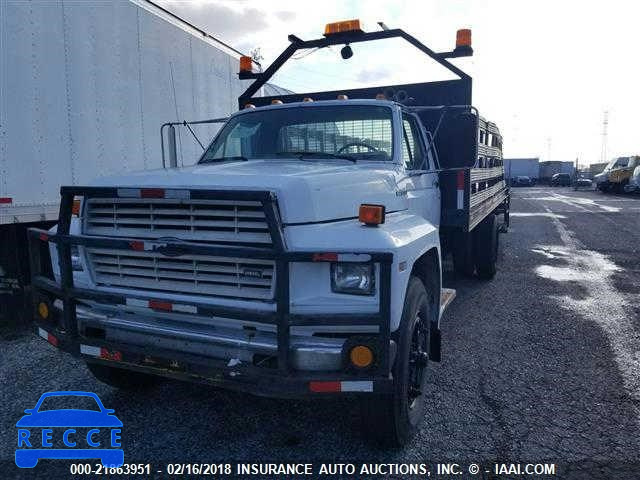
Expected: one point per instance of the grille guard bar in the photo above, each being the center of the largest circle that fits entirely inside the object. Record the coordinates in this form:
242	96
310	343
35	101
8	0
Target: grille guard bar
281	318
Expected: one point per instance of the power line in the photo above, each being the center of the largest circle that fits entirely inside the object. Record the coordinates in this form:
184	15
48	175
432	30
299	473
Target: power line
605	125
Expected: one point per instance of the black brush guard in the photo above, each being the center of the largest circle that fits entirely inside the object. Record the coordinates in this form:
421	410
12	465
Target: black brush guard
283	381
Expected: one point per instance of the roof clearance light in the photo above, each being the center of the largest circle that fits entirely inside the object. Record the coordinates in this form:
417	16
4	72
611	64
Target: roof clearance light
371	214
343	97
246	64
249	105
463	38
307	99
381	96
343	27
276	102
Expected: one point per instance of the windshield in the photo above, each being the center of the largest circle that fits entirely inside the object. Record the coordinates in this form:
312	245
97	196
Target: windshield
354	132
620	162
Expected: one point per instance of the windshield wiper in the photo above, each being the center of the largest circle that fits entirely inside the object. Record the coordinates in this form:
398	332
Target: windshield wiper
302	154
224	159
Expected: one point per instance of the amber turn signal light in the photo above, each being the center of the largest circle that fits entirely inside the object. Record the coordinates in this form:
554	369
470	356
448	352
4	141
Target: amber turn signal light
43	310
371	214
361	356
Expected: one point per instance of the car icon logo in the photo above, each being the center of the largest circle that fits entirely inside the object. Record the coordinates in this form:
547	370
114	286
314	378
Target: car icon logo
69	433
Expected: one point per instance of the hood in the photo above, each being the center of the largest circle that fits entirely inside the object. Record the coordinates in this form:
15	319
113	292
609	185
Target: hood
307	191
601	177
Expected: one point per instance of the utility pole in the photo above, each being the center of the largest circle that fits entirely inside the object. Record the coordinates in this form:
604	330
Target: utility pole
605	124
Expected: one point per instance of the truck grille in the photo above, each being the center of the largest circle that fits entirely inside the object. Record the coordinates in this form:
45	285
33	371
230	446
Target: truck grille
188	274
218	221
204	221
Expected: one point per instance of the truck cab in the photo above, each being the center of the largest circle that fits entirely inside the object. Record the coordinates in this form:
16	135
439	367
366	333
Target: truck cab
301	256
617	174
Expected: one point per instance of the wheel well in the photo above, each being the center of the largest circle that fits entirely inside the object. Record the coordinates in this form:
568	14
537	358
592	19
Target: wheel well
427	269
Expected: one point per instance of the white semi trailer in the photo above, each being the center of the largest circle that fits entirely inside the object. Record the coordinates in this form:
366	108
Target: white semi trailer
85	88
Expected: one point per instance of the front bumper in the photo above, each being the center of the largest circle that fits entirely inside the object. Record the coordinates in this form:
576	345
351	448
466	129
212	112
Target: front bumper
177	332
244	377
299	367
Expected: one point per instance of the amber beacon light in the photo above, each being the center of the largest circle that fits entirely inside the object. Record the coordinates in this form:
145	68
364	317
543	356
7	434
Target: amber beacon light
463	38
246	64
342	27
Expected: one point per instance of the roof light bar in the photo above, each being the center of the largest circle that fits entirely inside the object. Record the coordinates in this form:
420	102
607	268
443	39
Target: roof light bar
344	26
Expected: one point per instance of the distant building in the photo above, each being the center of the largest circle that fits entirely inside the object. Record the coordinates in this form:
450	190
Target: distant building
519	167
596	168
549	168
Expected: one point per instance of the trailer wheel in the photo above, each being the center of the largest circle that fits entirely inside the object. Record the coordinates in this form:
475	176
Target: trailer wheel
121	378
463	262
486	247
393	419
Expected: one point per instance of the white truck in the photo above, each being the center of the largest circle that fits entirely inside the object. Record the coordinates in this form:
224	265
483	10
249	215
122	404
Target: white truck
301	256
84	88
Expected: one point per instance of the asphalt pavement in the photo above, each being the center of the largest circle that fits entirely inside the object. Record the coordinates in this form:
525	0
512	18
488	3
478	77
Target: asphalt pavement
542	364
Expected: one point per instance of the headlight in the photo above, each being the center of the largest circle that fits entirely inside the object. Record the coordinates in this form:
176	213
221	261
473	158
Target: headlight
353	278
76	263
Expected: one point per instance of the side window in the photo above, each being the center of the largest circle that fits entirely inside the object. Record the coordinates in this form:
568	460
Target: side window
412	149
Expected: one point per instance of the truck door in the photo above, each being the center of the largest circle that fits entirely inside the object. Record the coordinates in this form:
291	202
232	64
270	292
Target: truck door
422	187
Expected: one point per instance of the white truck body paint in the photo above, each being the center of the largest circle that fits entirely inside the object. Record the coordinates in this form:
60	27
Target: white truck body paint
310	192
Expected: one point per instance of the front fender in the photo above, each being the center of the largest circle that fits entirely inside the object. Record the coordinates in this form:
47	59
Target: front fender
404	234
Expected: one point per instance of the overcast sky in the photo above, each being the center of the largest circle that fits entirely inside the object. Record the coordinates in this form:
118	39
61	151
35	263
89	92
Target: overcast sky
544	71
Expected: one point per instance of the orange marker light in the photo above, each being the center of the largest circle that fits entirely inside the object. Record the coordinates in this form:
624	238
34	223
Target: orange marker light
381	96
342	27
246	64
43	310
249	105
371	214
463	38
75	209
276	102
343	97
307	99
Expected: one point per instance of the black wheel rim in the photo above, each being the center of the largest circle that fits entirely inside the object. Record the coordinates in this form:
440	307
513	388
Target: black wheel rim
418	358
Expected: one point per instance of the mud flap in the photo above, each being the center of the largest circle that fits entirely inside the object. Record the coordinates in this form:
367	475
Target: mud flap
435	343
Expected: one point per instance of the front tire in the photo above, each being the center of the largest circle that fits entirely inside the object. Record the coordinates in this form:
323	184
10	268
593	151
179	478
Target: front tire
121	378
393	419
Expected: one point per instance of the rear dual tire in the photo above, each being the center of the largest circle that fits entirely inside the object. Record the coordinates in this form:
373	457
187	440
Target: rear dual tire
477	252
486	242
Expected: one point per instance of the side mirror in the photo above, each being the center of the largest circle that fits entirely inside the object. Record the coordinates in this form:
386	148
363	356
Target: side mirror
465	126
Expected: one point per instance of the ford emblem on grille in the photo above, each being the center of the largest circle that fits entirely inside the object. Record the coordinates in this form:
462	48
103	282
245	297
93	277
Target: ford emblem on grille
169	250
252	272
